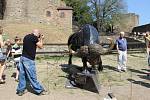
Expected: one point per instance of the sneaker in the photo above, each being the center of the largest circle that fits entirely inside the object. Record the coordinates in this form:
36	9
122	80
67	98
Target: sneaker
16	80
85	71
20	93
148	74
124	70
119	70
44	92
73	83
2	81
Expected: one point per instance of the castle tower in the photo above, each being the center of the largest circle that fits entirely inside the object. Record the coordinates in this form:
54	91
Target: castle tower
15	10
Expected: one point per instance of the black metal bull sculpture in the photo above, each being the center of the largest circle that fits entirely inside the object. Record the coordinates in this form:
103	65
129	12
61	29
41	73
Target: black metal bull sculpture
86	44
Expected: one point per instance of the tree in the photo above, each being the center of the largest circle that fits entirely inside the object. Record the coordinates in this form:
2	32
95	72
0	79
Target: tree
2	8
81	11
106	12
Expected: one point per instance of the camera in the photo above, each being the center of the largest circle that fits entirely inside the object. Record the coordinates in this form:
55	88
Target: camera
41	36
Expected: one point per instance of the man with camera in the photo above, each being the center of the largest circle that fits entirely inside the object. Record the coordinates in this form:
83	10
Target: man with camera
27	69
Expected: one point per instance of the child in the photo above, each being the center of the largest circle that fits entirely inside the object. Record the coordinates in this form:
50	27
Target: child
16	52
8	50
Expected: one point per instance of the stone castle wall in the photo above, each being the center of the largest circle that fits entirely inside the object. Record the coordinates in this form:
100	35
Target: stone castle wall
132	21
129	21
52	14
32	10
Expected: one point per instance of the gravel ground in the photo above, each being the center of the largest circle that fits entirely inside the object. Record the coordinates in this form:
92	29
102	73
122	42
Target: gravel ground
130	85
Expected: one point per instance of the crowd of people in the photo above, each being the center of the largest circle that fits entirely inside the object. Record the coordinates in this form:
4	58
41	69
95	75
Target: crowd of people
25	58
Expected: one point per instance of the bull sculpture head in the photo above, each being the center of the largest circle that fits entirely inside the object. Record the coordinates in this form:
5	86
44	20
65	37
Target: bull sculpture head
86	44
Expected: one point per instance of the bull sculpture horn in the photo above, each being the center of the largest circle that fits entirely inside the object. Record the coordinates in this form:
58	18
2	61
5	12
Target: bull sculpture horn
97	49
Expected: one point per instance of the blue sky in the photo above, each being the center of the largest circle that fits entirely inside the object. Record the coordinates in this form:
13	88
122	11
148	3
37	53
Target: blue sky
140	7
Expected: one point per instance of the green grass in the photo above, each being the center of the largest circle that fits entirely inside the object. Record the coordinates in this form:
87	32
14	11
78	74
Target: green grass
108	78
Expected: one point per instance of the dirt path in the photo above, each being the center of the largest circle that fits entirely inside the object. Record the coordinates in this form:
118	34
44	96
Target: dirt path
132	85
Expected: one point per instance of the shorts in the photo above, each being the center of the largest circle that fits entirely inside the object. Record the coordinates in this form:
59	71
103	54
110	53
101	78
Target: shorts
2	57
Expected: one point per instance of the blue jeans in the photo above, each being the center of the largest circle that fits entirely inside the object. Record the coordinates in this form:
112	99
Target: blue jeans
27	71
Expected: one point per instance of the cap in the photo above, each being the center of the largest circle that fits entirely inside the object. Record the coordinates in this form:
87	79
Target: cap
17	38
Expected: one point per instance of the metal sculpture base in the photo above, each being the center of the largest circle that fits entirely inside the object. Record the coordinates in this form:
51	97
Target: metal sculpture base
88	81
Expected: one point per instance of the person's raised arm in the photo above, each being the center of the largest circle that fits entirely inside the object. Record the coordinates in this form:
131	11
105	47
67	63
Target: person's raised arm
147	45
40	42
117	46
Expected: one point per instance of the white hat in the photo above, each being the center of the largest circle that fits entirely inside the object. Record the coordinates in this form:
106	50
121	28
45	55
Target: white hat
122	32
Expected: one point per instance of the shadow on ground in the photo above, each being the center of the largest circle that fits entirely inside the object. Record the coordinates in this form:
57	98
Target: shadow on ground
110	68
144	77
137	71
145	84
148	70
76	79
129	69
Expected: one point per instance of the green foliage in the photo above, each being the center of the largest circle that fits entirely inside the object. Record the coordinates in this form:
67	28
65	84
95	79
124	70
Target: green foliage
81	11
106	13
5	36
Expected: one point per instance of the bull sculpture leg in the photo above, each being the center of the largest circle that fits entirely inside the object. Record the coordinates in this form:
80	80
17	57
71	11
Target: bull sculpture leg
70	54
70	59
84	60
100	67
